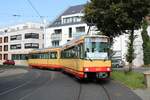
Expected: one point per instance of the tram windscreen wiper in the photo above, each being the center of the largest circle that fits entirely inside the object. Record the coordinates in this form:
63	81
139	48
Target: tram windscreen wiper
89	58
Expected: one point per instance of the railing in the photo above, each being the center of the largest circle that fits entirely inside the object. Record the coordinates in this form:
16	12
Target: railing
77	34
55	36
23	28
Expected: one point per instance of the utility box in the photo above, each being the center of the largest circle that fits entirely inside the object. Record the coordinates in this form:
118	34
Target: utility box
147	78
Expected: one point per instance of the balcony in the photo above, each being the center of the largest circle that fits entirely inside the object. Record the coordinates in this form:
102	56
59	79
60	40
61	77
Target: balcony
57	36
77	34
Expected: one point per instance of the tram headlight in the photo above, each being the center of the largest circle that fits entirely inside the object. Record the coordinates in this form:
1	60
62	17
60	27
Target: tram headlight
86	69
108	69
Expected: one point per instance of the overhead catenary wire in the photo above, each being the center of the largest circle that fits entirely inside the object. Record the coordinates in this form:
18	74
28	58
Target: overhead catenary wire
21	15
33	7
41	17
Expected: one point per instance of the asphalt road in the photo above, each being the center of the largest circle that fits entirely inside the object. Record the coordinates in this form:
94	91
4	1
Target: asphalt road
54	85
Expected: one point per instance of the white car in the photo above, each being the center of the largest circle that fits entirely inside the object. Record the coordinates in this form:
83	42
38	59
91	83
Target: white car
117	63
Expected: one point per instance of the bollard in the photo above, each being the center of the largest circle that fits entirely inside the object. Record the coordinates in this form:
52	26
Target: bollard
147	78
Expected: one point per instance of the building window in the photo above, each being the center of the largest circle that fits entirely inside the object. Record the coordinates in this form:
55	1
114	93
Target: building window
19	56
31	36
57	22
55	43
5	56
42	36
6	39
16	37
58	31
5	31
68	20
5	47
0	48
0	56
80	29
15	46
72	19
31	45
1	39
70	32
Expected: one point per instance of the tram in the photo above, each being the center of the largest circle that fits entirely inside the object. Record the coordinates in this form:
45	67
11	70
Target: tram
83	57
45	58
87	57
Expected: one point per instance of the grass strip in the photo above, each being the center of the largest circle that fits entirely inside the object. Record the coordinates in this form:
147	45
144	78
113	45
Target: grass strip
133	80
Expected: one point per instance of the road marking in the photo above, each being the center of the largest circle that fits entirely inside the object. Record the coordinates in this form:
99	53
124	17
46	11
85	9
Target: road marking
19	86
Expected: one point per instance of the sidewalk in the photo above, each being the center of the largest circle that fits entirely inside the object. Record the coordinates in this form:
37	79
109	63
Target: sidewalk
143	93
140	69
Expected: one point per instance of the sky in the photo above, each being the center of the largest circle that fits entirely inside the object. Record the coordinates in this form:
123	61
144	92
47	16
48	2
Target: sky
19	11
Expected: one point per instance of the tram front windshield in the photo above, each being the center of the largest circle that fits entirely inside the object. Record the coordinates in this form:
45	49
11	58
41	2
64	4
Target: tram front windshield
96	48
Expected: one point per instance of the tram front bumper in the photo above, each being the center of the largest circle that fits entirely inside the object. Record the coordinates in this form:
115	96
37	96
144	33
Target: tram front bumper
97	69
97	72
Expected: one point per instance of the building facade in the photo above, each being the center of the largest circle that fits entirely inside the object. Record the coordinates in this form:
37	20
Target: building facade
17	41
70	24
66	27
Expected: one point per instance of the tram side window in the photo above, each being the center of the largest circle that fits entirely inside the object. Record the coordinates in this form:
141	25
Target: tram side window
81	51
69	53
34	56
73	52
43	56
46	55
53	55
40	56
63	54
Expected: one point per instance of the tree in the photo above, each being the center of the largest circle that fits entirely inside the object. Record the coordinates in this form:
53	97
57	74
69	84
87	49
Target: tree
115	17
130	52
146	43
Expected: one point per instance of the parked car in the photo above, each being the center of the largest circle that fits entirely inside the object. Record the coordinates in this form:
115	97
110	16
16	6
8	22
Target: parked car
9	62
117	63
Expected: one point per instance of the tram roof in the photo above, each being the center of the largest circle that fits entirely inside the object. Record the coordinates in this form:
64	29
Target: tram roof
46	49
80	39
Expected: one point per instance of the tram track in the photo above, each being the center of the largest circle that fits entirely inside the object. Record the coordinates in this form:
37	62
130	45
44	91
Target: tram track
100	88
80	90
103	90
106	92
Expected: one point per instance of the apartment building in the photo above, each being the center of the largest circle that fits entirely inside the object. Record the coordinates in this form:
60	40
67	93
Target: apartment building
67	26
18	40
70	25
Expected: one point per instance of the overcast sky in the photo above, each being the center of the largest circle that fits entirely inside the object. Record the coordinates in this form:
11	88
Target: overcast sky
18	11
